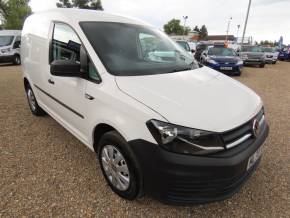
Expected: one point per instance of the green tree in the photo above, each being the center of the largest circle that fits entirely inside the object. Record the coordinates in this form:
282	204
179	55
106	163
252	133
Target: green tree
3	11
14	13
268	43
174	27
203	32
83	4
196	29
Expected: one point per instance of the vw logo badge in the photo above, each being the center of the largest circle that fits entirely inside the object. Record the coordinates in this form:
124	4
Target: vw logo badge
256	128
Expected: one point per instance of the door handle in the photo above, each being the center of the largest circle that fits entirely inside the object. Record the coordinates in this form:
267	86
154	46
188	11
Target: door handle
51	81
87	96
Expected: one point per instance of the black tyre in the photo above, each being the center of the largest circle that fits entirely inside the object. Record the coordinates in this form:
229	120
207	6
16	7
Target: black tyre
32	102
118	165
16	60
262	65
274	62
239	73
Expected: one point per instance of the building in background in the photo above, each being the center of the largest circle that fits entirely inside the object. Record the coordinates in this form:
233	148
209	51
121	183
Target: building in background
192	36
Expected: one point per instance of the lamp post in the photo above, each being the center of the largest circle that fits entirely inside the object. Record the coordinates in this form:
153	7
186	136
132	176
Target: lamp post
246	22
228	29
184	23
238	32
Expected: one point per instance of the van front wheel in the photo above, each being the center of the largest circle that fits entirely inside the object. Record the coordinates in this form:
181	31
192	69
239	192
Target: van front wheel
16	60
118	165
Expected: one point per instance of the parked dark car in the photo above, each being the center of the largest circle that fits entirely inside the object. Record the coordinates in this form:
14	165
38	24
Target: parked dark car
284	54
223	59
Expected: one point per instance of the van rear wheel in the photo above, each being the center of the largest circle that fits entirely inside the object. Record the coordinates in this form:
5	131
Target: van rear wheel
32	102
118	165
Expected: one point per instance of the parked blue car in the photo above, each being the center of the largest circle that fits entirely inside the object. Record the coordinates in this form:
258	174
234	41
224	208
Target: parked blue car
223	59
284	54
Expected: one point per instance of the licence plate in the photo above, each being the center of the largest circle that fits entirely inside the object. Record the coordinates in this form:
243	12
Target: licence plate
226	68
254	158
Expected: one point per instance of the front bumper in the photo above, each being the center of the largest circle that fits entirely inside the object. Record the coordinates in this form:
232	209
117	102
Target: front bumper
219	67
253	62
184	179
270	60
4	58
284	57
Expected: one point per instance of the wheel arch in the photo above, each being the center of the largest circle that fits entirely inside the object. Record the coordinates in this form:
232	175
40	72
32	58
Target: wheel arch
99	131
26	83
102	128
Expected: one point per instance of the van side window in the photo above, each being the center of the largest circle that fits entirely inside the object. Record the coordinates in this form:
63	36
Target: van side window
17	42
93	73
65	43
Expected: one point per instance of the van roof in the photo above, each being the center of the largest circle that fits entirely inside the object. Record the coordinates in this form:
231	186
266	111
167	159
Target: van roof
77	15
10	32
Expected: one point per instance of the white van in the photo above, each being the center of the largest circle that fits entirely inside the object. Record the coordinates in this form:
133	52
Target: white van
10	41
159	123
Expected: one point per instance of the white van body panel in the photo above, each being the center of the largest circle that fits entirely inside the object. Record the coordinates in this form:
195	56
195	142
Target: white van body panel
213	102
129	117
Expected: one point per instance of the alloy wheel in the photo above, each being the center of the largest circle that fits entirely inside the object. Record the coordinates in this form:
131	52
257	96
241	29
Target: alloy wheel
115	167
31	99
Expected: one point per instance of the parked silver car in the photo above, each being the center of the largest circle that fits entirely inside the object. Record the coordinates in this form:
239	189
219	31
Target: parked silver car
271	54
253	55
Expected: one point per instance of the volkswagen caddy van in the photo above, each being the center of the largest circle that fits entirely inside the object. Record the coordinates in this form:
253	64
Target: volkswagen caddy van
160	124
10	41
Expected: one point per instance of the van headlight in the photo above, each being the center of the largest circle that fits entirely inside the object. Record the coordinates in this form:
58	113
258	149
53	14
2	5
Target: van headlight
6	50
184	140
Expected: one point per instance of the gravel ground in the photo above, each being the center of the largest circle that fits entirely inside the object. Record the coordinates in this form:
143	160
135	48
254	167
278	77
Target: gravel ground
45	171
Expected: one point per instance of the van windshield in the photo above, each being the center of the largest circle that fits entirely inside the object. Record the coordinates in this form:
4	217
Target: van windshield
133	50
6	40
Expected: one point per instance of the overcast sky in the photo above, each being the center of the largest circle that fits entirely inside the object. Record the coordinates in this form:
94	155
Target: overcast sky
269	19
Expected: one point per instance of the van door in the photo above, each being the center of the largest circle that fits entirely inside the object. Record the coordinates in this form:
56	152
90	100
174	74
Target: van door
67	94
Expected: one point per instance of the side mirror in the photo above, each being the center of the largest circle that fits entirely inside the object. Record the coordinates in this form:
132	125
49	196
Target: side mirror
192	50
16	44
65	68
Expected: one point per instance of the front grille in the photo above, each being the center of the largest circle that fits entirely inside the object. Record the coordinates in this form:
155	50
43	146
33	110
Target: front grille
228	63
254	56
242	133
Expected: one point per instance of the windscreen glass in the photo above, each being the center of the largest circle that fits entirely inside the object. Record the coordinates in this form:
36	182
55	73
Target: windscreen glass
269	49
219	51
252	49
133	50
6	40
